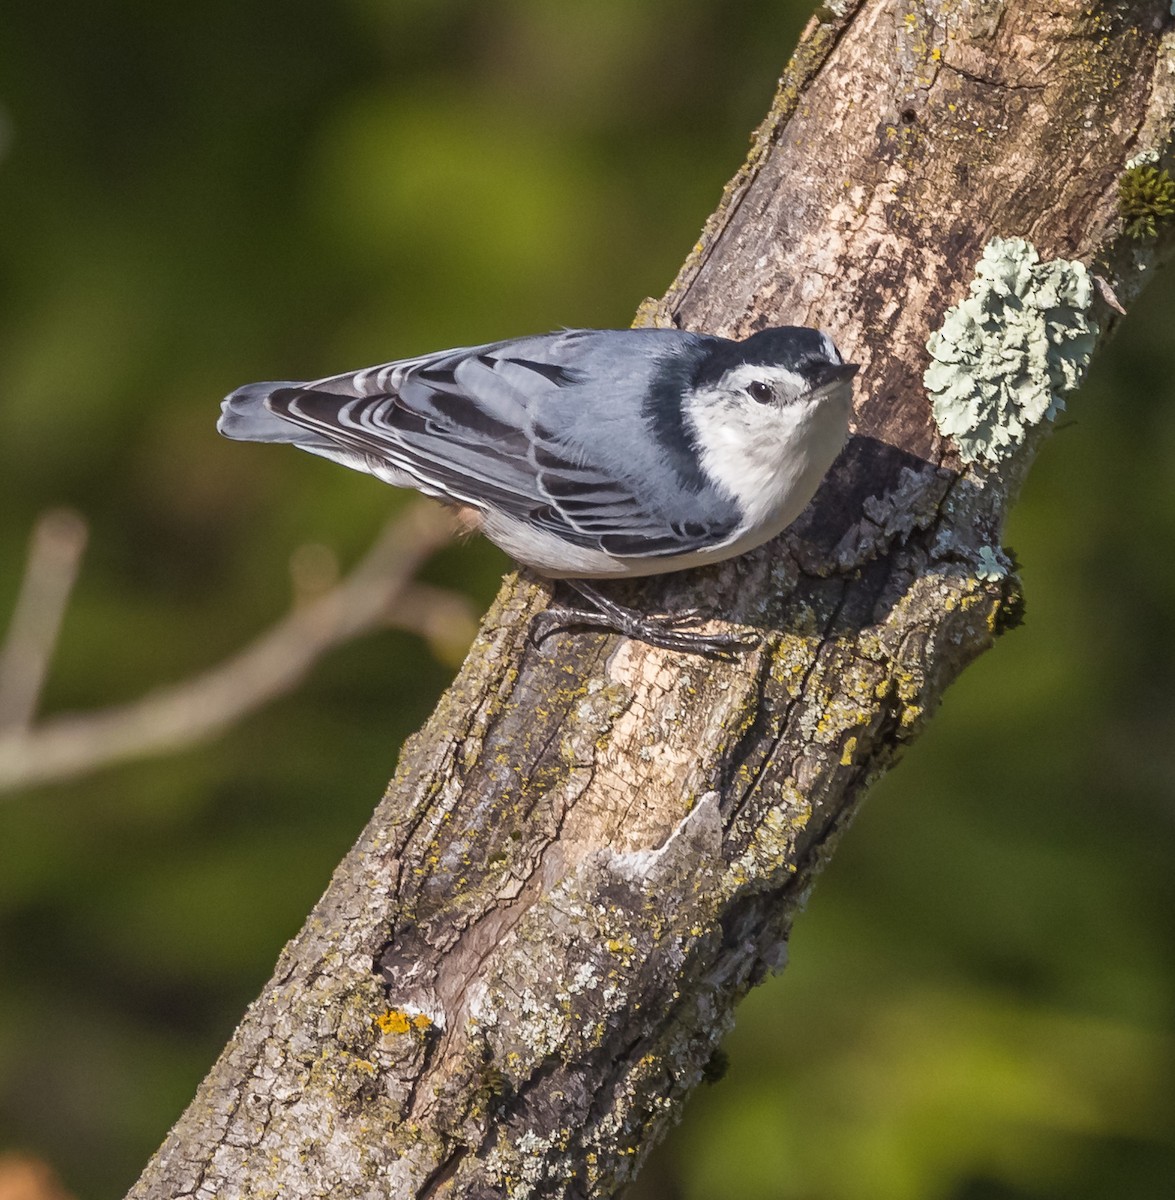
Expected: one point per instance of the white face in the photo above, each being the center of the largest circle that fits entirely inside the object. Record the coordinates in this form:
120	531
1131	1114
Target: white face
767	437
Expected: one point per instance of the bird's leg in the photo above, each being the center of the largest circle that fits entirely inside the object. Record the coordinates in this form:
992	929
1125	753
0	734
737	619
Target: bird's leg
660	630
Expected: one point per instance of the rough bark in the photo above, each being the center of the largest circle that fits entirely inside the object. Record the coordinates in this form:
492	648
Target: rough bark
594	848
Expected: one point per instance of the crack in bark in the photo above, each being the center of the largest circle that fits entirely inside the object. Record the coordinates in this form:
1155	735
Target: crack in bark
441	1175
779	738
1001	85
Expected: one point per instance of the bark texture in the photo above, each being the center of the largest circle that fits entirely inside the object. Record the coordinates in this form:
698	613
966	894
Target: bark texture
594	848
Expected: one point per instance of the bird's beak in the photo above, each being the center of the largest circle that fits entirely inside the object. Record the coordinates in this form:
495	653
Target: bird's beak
830	375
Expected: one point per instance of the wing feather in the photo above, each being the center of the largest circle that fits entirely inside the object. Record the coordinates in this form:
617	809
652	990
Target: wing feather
464	426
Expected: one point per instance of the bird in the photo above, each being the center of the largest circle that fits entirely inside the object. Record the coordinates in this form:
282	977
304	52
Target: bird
589	454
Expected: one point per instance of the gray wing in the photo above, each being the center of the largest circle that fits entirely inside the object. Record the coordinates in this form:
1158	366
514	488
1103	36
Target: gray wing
493	427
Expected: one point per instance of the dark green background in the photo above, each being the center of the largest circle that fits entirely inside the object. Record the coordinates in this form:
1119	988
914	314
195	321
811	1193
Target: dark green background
195	196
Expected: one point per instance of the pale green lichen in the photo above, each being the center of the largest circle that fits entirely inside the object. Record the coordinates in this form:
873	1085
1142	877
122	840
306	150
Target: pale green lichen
991	567
1005	356
1142	158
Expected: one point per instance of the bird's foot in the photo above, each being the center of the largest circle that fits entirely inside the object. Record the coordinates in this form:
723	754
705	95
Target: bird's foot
666	630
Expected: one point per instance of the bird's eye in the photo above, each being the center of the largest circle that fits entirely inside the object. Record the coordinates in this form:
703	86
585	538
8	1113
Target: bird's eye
760	391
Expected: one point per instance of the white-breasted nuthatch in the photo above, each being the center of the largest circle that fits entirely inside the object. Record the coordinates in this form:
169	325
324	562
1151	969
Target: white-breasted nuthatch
589	453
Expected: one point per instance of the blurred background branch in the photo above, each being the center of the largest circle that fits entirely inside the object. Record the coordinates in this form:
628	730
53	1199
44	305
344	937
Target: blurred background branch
377	593
23	1177
55	553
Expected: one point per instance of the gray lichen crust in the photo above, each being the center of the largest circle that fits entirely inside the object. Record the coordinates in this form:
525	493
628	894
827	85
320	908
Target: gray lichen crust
1006	355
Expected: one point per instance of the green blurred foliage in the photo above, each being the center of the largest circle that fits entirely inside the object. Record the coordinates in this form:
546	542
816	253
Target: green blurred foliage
980	1002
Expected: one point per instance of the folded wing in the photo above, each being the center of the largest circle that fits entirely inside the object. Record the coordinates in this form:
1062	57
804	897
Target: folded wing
480	427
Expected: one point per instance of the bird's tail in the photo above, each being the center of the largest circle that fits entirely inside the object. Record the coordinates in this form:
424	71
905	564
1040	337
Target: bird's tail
245	417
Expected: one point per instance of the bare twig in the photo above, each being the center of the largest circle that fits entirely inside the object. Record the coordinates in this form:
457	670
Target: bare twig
185	713
55	552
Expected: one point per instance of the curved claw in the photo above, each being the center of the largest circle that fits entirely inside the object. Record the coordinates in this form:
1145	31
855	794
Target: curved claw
545	623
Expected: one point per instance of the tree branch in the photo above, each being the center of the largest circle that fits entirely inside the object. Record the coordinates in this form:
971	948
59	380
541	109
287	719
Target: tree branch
55	554
594	848
378	592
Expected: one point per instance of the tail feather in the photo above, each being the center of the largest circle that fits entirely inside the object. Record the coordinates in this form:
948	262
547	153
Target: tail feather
245	417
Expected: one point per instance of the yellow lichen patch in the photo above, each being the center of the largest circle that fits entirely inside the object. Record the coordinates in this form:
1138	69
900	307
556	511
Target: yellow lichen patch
769	853
396	1021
